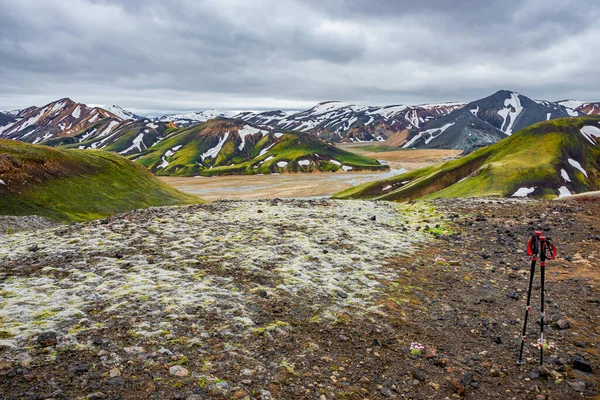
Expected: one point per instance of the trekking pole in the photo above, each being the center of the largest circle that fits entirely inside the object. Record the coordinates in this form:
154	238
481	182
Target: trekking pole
533	247
545	247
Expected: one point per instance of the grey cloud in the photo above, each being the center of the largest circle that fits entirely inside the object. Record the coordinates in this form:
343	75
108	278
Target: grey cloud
187	54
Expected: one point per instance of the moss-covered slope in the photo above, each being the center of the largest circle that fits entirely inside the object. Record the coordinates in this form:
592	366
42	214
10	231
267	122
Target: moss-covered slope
76	185
226	146
548	159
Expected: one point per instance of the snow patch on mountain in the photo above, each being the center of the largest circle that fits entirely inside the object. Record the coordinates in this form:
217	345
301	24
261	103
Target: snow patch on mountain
213	152
523	192
563	192
590	131
433	133
510	112
76	112
138	143
245	131
120	112
575	164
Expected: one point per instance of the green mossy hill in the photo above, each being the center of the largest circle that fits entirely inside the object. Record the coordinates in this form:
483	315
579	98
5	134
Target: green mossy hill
75	185
549	158
226	146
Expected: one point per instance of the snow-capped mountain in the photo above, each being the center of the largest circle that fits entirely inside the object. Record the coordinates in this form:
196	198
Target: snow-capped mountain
504	112
342	122
121	112
580	108
195	117
63	117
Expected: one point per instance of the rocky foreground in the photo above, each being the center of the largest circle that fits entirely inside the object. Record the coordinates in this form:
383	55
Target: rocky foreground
299	300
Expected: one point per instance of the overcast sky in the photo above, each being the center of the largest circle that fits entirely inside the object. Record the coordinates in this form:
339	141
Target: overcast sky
156	56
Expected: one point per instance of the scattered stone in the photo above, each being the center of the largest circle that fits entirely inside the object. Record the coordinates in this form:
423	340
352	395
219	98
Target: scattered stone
555	374
114	372
117	382
263	294
342	295
374	218
46	339
343	338
562	324
457	387
434	385
533	375
454	263
240	394
467	378
33	248
95	396
577	385
418	374
385	392
82	367
514	295
580	344
178	370
581	364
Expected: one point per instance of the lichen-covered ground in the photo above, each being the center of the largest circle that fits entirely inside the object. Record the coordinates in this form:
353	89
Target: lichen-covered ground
297	299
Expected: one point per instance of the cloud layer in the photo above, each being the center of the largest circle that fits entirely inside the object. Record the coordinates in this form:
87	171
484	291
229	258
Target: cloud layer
153	56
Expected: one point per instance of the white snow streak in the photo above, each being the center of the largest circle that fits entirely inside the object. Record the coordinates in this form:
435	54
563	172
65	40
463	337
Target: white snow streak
564	175
563	192
523	192
138	142
578	166
215	150
508	114
76	112
589	131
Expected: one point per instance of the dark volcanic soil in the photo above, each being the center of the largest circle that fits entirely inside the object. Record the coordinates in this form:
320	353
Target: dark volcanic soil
316	341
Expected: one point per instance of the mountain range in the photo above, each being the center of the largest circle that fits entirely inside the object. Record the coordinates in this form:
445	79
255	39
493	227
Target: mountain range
464	126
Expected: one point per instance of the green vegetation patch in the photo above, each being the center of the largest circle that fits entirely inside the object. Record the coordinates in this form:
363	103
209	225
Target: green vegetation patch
532	157
73	185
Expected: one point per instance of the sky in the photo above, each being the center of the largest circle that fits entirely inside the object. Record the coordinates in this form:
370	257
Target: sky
154	57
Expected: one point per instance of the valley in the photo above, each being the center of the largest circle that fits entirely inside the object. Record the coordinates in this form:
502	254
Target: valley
315	184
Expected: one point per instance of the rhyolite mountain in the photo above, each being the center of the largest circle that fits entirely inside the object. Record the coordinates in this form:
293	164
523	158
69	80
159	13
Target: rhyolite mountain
580	107
126	137
71	185
550	159
336	121
232	146
485	121
63	117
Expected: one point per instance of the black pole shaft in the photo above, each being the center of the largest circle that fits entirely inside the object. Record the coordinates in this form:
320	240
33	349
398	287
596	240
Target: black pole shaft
542	274
543	248
527	308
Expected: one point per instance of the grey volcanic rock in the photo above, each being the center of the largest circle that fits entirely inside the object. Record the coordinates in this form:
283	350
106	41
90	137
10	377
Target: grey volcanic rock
459	130
511	111
6	119
485	121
